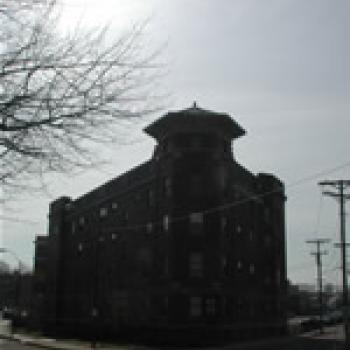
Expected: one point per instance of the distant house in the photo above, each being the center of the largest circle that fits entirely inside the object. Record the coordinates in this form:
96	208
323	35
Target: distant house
189	245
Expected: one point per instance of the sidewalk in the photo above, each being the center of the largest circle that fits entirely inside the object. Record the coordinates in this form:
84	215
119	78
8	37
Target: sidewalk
55	344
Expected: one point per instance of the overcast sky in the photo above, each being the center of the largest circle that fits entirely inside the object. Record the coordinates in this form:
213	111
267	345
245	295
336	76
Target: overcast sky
280	68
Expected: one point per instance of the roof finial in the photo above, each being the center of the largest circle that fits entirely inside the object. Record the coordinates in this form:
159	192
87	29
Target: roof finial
194	104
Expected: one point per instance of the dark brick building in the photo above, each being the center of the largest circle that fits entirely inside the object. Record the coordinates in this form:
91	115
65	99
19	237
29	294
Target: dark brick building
187	243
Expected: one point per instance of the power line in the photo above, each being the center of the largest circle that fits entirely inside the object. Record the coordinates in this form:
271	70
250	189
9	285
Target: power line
319	174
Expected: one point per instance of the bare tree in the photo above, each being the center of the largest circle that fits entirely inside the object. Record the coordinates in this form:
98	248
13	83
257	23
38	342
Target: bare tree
59	93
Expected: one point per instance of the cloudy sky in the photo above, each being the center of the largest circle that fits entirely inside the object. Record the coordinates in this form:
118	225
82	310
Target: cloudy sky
279	67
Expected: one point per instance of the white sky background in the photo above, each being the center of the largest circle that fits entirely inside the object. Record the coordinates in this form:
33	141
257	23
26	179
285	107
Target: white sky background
279	67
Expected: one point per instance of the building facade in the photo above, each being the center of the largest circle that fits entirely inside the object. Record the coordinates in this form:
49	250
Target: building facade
188	243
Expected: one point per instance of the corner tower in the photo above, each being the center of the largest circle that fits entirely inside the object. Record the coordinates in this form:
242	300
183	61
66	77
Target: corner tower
194	130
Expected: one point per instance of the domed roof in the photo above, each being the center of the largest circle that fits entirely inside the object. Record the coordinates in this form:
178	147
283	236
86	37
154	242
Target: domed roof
194	119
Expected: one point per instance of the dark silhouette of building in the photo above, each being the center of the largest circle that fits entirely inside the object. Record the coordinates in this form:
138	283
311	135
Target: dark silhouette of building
187	244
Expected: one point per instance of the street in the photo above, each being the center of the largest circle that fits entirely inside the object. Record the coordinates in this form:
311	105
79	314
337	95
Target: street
331	340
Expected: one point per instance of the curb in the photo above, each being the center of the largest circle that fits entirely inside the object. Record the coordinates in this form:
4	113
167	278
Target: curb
53	344
36	342
5	337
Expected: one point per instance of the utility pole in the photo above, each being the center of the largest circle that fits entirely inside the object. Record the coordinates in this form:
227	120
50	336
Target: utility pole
318	255
340	187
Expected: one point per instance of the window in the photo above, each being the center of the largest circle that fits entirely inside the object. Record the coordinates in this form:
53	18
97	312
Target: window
151	197
73	227
239	265
196	222
252	269
238	228
239	306
196	218
223	223
81	221
144	256
80	247
122	304
251	235
166	266
196	265
195	185
267	241
166	303
195	306
267	307
166	223
103	212
114	236
114	205
167	186
149	227
267	280
196	143
68	206
267	214
210	306
252	309
224	263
